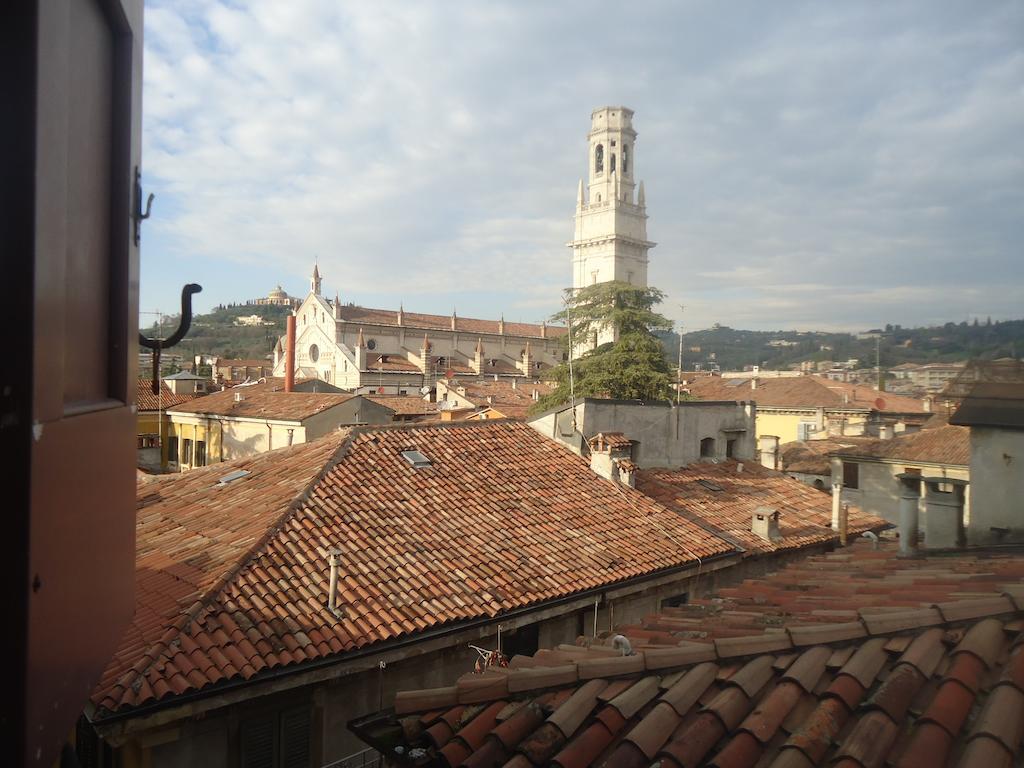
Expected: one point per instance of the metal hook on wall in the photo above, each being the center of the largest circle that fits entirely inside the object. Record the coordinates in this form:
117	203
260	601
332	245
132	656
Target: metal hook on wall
157	345
139	216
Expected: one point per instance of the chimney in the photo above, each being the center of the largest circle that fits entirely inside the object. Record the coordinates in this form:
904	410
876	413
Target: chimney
239	397
753	382
334	558
627	471
844	522
910	497
886	431
769	445
535	395
289	363
765	523
514	384
837	501
943	512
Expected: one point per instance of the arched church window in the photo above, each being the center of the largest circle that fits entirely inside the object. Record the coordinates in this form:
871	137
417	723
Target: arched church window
599	159
625	158
612	166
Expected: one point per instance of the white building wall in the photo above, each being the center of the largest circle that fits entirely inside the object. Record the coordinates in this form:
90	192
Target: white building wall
997	485
879	491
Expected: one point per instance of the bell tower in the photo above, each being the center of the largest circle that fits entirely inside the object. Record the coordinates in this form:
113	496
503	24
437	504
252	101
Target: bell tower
610	241
314	280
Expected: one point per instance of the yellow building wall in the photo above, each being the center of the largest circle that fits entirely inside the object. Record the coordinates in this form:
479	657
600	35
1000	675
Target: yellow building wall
782	425
232	438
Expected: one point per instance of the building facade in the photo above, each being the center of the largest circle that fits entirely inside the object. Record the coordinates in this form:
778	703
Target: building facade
380	351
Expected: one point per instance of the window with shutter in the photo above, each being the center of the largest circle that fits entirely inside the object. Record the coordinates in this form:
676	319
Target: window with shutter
851	474
258	742
295	738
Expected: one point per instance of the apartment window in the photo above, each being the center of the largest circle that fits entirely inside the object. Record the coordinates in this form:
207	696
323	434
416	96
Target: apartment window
276	740
200	453
172	448
804	430
851	474
707	447
186	456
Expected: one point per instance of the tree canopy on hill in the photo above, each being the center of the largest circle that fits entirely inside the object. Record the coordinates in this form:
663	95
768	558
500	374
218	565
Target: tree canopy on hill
633	367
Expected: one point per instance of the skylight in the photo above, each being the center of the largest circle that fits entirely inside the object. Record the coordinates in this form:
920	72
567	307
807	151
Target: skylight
710	485
416	459
230	477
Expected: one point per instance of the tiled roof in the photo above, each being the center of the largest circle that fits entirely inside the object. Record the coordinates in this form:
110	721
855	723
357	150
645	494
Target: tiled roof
723	498
415	320
225	362
233	581
812	456
941	445
145	400
388	362
512	402
265	400
992	405
803	392
800	669
404	404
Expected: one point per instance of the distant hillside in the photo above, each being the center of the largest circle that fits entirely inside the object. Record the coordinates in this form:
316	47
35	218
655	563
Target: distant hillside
733	349
216	334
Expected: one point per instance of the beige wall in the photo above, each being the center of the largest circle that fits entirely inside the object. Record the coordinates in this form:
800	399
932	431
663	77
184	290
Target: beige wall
997	485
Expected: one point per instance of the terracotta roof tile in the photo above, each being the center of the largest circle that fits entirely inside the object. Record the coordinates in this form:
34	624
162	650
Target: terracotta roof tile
803	392
723	498
145	400
944	445
240	570
902	704
264	400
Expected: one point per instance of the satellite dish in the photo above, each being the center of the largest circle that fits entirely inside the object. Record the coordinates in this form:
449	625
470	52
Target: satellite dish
424	390
880	403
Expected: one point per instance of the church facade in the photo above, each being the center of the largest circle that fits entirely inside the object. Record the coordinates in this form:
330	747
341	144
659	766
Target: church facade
397	352
383	351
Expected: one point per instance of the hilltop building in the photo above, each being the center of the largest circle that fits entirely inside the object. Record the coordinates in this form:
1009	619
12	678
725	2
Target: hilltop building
610	240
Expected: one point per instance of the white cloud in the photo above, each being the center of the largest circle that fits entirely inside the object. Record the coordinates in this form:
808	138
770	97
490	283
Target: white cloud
808	165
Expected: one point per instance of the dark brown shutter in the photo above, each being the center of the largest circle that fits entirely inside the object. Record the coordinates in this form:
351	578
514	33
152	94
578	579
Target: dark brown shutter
295	738
258	742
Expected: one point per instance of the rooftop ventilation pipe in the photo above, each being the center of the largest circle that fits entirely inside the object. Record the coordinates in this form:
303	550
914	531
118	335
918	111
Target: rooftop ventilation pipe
910	497
289	362
332	600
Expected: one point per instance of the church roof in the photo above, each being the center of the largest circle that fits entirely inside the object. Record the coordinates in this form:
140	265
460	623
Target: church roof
419	321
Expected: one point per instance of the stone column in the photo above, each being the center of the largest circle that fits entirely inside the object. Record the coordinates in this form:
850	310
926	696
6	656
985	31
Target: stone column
910	496
944	513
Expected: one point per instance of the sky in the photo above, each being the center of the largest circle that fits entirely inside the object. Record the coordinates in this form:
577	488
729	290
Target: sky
833	166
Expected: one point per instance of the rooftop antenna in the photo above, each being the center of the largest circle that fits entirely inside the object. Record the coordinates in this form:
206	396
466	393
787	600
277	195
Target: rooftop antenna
679	369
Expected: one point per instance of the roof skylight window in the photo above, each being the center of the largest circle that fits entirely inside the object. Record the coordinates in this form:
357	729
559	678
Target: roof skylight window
416	459
230	477
711	486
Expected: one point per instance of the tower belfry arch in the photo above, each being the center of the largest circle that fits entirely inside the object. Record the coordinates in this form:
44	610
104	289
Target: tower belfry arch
610	240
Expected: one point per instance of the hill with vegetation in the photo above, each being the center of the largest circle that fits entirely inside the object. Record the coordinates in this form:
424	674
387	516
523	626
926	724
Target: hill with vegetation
217	334
734	349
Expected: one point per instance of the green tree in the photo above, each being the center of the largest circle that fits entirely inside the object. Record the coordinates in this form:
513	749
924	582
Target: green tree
631	368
